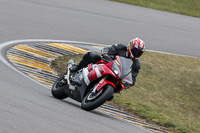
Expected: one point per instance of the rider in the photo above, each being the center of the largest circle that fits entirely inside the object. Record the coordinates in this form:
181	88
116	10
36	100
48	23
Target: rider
133	51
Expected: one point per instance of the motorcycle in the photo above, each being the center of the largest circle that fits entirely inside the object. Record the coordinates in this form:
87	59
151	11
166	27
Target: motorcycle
96	83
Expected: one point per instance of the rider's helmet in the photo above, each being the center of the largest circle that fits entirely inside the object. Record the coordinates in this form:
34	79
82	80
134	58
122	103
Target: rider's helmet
136	48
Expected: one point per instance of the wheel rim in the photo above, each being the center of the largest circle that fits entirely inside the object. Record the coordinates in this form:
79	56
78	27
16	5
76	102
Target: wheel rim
93	96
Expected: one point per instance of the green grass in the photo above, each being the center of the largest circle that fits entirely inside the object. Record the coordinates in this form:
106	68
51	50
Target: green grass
167	90
60	64
186	7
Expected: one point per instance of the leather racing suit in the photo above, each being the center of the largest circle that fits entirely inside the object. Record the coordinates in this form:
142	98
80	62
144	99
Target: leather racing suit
117	49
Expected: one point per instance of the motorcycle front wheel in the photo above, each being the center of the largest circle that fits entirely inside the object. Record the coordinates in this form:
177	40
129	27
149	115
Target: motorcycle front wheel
92	101
58	88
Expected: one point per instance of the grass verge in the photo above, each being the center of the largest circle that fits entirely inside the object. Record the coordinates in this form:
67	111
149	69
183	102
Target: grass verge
186	7
167	91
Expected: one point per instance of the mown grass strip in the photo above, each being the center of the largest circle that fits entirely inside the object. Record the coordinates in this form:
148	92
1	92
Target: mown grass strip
167	91
185	7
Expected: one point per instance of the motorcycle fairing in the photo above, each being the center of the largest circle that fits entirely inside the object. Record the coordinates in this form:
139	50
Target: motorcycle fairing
126	65
116	67
122	68
76	90
119	69
95	71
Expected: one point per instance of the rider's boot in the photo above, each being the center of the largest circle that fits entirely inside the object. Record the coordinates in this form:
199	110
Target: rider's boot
77	67
70	64
74	68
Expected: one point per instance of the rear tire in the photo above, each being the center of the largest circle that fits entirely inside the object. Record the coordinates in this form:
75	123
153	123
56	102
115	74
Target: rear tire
90	104
59	91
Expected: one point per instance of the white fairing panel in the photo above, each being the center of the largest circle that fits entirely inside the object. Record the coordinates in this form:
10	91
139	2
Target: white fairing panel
85	76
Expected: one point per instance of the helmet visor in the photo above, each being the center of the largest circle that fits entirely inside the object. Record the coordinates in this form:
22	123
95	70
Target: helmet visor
136	52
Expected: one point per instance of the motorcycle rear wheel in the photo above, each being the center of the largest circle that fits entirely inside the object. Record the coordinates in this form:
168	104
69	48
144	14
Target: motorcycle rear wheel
58	91
88	103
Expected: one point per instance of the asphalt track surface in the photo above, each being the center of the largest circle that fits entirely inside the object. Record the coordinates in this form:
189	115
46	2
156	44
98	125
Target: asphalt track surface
26	106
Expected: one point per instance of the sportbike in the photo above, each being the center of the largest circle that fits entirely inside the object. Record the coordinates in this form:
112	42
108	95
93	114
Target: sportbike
96	83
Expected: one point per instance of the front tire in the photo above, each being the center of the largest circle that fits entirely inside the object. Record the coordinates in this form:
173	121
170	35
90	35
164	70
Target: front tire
58	90
89	103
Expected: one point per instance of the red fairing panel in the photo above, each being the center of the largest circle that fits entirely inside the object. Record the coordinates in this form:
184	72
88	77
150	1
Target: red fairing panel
93	75
90	67
96	71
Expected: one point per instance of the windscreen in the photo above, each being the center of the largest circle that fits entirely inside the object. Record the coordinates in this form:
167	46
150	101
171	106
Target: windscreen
126	66
122	68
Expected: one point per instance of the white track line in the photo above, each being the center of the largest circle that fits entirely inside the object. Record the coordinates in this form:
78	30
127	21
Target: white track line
10	43
78	42
170	53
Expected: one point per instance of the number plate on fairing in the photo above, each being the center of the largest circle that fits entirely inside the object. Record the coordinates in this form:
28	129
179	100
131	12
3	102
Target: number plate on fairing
72	87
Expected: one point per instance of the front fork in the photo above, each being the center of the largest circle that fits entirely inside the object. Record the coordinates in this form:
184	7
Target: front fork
94	90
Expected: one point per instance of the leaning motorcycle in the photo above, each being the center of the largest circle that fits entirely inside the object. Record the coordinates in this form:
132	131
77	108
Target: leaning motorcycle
96	83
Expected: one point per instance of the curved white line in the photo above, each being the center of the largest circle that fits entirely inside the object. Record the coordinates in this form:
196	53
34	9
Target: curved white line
79	42
5	61
170	53
6	44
